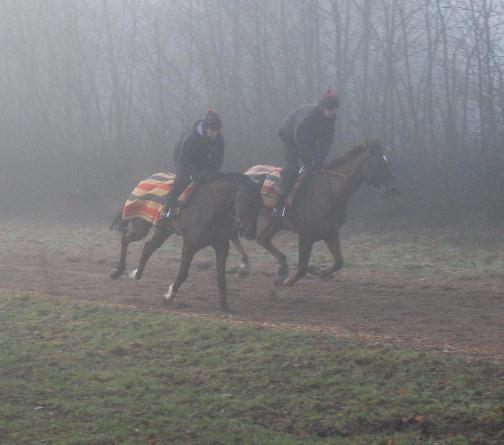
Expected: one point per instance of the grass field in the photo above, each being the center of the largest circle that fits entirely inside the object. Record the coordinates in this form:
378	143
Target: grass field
77	373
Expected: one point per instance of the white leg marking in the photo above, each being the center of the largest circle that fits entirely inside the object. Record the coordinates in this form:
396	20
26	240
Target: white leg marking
169	294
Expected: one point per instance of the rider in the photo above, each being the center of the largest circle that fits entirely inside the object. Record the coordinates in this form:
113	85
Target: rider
199	151
308	133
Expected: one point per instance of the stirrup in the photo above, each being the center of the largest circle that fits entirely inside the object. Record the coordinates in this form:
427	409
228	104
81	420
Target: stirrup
279	212
168	213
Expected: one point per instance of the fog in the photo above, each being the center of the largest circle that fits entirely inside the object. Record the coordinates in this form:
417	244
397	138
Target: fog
94	94
198	322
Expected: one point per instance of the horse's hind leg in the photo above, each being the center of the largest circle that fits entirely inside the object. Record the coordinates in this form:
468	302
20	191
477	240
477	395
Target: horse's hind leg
133	232
157	240
188	252
221	254
244	268
264	239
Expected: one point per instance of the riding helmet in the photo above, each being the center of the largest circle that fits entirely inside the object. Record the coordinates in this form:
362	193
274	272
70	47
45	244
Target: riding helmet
212	120
330	101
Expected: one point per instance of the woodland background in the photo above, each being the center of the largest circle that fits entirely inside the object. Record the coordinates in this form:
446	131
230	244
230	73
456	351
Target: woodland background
94	94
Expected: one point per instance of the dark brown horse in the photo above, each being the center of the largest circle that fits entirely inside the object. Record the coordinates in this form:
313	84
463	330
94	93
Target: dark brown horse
137	229
219	208
320	210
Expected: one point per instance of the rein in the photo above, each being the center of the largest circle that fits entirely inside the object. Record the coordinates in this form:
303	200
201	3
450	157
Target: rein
341	175
328	173
332	173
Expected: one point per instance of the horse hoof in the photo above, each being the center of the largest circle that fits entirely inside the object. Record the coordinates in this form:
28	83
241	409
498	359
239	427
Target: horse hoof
116	273
315	271
244	270
281	277
169	295
289	282
134	274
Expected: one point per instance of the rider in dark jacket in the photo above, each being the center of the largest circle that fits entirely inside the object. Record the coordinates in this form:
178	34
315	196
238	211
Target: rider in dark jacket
199	151
308	133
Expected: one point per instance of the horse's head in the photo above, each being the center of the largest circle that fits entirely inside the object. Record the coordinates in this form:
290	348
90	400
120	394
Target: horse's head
247	205
376	171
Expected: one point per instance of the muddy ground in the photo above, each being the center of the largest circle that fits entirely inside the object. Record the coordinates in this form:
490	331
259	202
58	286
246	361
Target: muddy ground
439	289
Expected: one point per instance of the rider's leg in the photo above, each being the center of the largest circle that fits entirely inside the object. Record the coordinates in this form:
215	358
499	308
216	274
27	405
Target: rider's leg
182	180
288	177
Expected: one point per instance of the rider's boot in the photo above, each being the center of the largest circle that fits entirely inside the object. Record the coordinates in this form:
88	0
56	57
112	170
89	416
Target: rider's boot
168	211
280	208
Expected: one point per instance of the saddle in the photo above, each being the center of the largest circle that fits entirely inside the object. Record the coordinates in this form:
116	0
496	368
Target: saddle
148	197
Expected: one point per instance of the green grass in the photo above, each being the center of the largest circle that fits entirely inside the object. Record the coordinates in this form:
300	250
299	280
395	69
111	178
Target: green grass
81	374
440	253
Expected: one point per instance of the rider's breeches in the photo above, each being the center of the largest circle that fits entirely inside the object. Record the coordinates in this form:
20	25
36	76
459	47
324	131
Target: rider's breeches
290	170
182	180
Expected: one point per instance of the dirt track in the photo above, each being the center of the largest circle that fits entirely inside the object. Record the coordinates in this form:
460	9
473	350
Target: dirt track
371	305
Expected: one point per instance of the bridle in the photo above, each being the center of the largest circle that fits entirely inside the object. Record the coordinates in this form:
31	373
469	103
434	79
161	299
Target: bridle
328	173
364	173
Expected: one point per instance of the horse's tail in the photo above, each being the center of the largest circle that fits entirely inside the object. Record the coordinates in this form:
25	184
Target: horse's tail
118	223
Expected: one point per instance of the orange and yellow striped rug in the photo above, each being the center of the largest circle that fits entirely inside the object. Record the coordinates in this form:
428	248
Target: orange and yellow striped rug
147	198
269	189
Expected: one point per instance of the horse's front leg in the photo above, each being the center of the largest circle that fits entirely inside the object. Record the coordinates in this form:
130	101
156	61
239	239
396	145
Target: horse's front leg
221	254
244	268
160	236
188	251
304	253
264	239
334	246
121	265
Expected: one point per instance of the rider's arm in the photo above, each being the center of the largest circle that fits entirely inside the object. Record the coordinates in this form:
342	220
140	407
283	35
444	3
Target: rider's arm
215	161
187	152
305	142
325	142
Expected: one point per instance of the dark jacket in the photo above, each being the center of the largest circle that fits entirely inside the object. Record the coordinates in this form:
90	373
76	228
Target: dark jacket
194	153
310	132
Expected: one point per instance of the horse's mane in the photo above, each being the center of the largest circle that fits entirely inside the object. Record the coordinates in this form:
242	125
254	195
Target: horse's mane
354	152
350	154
